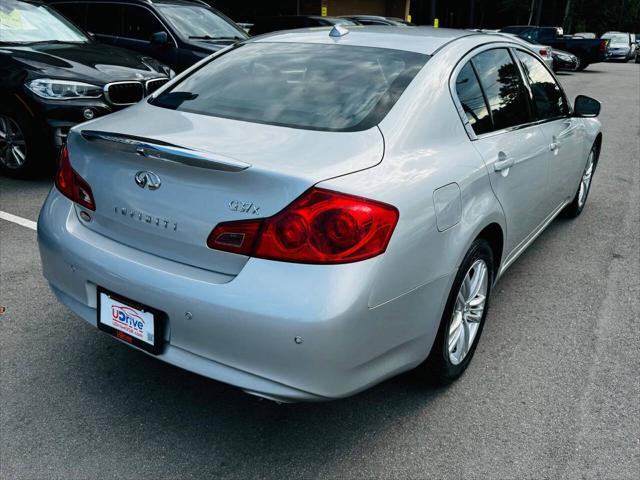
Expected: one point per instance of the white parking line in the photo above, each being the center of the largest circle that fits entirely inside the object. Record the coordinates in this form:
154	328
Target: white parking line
19	220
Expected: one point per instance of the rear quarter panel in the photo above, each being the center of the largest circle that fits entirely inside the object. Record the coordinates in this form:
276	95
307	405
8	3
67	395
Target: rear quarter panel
426	147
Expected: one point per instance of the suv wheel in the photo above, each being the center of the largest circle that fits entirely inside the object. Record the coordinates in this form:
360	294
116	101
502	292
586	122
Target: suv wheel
21	152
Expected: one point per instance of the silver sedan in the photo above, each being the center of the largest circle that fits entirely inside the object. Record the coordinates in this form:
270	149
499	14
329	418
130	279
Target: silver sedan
308	213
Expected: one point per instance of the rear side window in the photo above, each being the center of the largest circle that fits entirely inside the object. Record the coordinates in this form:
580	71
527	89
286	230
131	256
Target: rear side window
311	86
104	19
549	102
472	100
503	87
139	23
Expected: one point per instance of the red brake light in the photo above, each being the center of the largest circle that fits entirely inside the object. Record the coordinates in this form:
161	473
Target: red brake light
72	185
544	52
321	226
603	45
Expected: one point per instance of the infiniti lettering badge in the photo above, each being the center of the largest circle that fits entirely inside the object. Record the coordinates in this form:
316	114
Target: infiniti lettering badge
144	218
150	180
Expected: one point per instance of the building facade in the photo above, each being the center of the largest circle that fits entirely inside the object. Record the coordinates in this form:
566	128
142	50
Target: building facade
249	11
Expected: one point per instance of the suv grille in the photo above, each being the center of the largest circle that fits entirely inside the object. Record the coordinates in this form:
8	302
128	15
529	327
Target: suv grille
154	84
124	93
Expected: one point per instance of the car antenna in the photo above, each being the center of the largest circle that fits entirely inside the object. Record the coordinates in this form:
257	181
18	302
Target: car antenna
338	31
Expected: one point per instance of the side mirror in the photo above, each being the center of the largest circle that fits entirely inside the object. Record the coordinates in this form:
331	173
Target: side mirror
586	107
159	38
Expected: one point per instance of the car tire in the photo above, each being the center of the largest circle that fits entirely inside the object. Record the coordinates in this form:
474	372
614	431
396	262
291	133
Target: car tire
445	362
582	64
22	153
582	194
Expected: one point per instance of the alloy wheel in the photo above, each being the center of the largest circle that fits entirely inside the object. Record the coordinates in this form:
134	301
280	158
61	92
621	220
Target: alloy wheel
585	182
468	311
13	147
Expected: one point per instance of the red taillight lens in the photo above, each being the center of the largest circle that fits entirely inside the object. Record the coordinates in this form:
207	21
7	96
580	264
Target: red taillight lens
603	45
544	52
72	185
321	226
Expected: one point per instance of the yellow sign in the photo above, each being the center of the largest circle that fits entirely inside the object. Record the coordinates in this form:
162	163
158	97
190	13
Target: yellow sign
409	18
436	23
324	11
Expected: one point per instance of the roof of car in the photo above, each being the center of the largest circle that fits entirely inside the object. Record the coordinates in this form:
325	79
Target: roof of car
419	39
145	2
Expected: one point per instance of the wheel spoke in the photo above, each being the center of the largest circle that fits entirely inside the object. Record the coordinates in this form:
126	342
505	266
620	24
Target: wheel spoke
18	155
460	301
465	341
479	274
455	330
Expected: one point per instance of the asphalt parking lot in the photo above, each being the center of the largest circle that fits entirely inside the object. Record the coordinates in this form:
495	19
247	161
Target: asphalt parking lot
553	391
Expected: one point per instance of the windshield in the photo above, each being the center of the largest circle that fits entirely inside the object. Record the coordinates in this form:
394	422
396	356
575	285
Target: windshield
340	21
193	21
616	39
311	86
22	22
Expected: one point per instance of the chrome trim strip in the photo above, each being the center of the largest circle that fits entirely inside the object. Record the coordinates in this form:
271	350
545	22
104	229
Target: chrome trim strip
519	250
105	89
167	152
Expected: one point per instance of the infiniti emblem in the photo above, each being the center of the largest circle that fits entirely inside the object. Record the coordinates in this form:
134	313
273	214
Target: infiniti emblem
146	179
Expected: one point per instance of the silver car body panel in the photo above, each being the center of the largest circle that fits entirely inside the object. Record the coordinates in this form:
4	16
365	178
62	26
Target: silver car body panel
360	322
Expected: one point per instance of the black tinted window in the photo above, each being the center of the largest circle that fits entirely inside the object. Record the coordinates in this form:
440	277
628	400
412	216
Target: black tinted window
548	99
76	12
104	18
313	86
502	84
472	100
139	23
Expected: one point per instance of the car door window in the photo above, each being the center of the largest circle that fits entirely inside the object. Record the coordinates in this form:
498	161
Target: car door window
76	12
472	100
139	23
548	99
503	87
104	19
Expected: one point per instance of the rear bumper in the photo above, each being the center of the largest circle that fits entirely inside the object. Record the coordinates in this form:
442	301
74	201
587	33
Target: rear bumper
242	328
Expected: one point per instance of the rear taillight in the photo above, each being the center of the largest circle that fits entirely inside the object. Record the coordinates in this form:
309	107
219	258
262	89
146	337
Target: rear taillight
321	226
544	52
603	45
72	185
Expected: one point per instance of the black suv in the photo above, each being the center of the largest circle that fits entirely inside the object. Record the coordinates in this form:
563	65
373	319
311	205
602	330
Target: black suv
53	76
176	32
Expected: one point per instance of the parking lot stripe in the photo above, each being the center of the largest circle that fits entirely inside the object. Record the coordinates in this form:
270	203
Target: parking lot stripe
19	220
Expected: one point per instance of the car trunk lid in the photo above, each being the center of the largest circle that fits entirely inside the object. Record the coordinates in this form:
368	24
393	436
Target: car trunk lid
162	180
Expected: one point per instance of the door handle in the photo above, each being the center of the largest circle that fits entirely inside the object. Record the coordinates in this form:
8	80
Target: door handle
554	146
503	162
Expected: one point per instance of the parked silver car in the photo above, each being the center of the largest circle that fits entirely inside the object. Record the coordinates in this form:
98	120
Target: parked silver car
622	45
311	212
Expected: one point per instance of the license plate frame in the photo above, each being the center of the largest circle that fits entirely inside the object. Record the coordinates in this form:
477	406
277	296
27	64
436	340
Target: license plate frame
158	322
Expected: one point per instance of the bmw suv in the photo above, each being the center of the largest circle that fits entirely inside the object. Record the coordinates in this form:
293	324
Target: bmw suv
52	77
177	32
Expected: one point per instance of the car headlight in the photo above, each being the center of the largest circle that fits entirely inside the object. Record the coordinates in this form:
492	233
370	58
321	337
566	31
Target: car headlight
63	89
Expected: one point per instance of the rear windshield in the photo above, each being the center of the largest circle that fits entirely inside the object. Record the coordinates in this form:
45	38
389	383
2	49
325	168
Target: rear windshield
310	86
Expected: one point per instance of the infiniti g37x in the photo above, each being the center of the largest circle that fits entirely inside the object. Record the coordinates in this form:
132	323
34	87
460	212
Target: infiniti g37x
392	177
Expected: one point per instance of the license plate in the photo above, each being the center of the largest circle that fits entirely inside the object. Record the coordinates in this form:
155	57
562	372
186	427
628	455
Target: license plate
129	321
